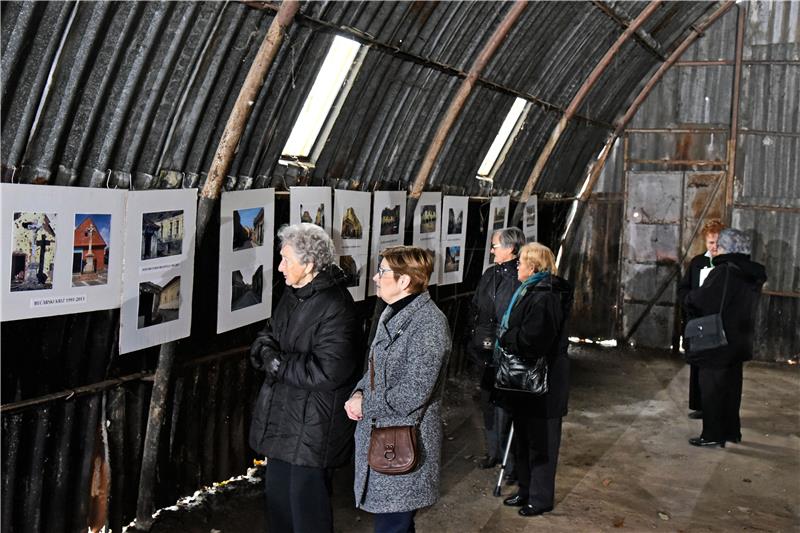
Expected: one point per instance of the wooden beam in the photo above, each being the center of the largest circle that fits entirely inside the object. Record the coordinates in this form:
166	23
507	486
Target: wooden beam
730	178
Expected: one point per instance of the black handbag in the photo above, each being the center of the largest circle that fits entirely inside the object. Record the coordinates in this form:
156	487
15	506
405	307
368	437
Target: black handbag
707	332
521	375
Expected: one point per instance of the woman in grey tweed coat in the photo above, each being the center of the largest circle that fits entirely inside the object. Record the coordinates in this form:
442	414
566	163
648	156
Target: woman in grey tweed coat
409	355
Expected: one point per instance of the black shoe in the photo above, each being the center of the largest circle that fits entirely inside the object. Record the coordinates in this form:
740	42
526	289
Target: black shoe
488	462
700	441
696	415
530	510
515	501
735	440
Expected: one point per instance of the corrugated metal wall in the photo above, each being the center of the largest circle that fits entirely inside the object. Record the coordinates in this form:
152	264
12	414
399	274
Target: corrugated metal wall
684	125
136	94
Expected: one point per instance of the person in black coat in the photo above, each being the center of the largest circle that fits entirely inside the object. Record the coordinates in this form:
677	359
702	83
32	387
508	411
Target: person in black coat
720	369
691	280
536	326
489	303
311	355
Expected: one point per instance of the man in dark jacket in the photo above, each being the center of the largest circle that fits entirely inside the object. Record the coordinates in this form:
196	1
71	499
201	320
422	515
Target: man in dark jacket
311	354
489	303
699	267
720	369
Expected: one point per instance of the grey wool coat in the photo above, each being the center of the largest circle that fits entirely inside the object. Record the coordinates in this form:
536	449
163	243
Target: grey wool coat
410	352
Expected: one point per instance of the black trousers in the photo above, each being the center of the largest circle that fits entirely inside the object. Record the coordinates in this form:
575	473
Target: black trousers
721	390
695	400
395	522
497	423
536	446
298	498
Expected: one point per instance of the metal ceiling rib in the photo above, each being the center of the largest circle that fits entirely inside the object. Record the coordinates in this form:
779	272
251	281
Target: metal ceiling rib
139	88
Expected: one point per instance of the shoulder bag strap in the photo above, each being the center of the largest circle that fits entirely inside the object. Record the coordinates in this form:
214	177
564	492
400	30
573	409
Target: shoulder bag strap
724	289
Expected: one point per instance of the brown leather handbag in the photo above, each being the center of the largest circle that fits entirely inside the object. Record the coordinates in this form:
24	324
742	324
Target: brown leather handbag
393	450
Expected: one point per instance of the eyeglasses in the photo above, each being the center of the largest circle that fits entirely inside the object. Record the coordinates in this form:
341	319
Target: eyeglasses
382	271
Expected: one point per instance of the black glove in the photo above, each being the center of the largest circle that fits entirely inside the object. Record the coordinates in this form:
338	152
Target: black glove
260	350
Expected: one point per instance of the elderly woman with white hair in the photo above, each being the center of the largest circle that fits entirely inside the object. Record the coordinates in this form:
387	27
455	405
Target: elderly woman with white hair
732	287
311	353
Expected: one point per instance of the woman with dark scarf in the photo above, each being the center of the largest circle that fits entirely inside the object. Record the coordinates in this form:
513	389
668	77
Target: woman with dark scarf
534	325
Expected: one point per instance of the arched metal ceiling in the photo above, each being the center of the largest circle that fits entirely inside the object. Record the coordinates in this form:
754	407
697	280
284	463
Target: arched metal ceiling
141	91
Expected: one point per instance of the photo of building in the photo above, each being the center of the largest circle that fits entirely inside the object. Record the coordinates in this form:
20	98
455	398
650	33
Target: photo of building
351	225
90	249
455	221
318	219
390	220
33	251
530	215
351	270
159	304
244	292
499	218
162	234
248	228
452	258
428	217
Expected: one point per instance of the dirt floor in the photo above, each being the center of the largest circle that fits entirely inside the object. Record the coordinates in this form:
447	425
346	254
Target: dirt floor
625	462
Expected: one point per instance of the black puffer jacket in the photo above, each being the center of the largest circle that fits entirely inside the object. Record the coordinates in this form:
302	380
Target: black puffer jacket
489	302
300	418
745	278
536	327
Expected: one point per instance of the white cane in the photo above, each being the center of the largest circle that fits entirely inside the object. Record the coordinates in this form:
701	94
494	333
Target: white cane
505	460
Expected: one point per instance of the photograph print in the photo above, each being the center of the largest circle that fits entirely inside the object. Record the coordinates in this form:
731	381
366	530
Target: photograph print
351	225
91	249
159	304
530	215
318	216
452	258
246	291
428	219
248	228
455	221
351	269
162	234
499	218
33	251
390	220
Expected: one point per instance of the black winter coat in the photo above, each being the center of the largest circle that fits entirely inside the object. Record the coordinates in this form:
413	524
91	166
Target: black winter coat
300	419
745	279
536	327
691	280
489	302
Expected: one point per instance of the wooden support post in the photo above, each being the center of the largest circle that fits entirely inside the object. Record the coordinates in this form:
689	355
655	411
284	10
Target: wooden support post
460	99
208	199
730	177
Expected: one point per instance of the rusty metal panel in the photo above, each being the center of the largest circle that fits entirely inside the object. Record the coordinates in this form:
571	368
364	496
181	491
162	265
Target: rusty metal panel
685	146
697	97
655	331
652	243
641	281
592	264
718	43
654	198
772	31
768	167
776	244
770	98
776	328
698	190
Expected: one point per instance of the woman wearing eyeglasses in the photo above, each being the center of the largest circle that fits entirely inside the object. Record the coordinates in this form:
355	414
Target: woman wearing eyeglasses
534	325
402	386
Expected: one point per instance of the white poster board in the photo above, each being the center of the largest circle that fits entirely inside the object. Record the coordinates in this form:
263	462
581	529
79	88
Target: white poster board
62	249
388	227
310	204
498	219
246	244
427	227
530	219
454	238
351	225
159	267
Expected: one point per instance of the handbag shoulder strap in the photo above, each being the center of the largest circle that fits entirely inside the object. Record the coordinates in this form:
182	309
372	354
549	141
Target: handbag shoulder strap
427	402
724	289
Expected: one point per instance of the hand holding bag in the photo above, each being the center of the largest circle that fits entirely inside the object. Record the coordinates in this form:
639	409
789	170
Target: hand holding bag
707	332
